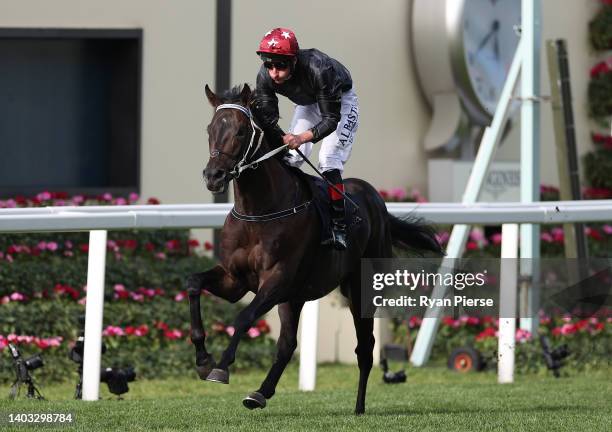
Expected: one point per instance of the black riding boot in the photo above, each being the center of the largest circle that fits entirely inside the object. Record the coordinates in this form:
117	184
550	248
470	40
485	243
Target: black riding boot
338	236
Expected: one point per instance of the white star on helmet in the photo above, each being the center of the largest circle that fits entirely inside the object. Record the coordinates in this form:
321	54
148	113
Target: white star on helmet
269	33
272	42
286	35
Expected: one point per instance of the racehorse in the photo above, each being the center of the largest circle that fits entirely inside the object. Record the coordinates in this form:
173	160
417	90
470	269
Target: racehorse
270	245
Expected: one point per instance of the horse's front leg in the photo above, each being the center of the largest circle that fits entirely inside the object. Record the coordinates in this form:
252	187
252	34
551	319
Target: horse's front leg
270	293
289	314
220	283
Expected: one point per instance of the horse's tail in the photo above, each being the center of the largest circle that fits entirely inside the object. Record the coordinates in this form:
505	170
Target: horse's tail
412	234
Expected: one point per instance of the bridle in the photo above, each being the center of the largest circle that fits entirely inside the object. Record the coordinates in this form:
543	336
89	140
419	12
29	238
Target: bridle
244	163
253	147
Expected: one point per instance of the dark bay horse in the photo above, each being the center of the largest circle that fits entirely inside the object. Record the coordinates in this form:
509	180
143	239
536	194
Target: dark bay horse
277	255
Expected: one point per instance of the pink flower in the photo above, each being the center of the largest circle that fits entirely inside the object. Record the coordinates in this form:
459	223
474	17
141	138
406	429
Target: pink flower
42	245
107	197
142	330
113	331
83	301
44	196
160	256
253	332
120	201
78	199
68	244
137	297
133	197
9	258
522	335
230	330
443	237
568	329
558	235
17	296
398	194
5	300
496	238
55	341
52	246
545	236
180	296
477	235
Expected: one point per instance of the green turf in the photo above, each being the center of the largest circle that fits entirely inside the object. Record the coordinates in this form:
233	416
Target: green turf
432	399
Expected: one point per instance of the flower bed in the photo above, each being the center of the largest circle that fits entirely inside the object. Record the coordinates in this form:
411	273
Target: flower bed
146	313
589	340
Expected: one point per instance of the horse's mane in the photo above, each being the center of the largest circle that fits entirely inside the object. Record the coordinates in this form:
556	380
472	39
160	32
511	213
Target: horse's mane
231	95
272	135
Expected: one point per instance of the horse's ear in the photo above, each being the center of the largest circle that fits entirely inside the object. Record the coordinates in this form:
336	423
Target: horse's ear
245	95
212	97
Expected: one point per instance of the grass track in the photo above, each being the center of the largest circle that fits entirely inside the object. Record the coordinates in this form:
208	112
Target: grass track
432	399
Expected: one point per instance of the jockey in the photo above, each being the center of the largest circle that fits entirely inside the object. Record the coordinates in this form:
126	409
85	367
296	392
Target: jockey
326	110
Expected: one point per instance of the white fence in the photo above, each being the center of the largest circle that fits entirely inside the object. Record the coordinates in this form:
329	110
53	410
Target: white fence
98	219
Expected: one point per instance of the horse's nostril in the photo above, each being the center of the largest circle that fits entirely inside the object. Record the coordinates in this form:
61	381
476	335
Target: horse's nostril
218	174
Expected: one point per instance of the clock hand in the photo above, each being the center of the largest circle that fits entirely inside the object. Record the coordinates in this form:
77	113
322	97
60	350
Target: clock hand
496	46
493	31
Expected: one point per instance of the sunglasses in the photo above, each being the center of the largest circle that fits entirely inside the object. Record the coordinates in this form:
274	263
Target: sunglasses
278	65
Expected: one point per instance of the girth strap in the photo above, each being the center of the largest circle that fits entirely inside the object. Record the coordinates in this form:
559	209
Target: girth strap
270	216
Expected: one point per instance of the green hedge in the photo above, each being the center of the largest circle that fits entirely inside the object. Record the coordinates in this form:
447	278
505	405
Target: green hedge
600	29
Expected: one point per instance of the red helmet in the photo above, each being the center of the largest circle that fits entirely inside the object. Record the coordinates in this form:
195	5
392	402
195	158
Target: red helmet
279	41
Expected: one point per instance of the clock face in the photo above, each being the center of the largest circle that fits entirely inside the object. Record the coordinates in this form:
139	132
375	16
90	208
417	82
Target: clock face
489	43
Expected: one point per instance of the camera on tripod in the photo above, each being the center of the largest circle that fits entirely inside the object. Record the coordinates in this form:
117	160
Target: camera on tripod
553	357
115	378
396	353
23	367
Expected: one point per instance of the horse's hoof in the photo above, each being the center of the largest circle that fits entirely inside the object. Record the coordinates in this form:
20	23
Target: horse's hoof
218	376
205	369
254	400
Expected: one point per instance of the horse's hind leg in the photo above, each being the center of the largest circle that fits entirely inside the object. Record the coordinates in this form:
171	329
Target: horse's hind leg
221	284
364	328
287	343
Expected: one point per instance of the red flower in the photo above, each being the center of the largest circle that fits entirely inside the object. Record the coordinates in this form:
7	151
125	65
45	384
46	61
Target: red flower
130	330
208	246
173	245
262	326
193	243
131	244
594	233
472	245
153	201
84	247
160	325
486	333
150	246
